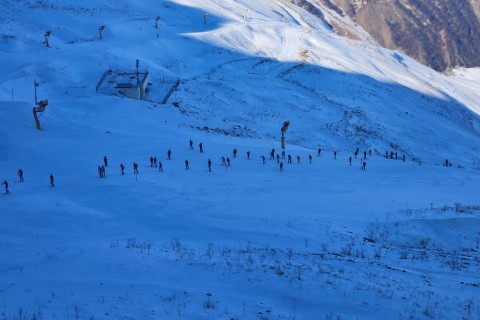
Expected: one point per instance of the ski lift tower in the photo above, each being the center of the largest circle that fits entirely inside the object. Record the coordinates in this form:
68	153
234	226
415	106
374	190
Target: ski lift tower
284	129
100	29
47	35
39	107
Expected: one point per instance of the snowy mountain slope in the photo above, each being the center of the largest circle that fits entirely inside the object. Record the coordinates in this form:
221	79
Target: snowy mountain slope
317	241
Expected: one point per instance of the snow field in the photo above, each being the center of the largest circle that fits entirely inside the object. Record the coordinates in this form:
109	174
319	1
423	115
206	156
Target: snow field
318	241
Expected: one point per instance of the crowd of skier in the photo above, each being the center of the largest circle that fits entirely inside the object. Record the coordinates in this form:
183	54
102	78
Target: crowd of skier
226	161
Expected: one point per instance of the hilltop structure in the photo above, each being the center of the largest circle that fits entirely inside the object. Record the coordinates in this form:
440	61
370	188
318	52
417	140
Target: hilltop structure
131	84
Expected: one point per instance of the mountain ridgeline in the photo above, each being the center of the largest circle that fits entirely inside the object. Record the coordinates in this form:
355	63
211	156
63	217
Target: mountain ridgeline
439	33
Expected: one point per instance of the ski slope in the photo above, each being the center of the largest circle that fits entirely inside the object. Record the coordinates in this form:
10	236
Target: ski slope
320	240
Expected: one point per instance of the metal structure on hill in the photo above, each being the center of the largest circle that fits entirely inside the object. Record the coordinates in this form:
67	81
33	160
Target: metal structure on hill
284	129
40	107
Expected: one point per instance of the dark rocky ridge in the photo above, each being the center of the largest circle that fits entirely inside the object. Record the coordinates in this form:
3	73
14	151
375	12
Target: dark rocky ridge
439	33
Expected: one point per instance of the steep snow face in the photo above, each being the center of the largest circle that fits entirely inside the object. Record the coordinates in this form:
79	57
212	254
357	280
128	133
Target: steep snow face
319	240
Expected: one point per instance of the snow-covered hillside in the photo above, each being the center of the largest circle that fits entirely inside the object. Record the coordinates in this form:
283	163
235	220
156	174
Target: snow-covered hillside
320	240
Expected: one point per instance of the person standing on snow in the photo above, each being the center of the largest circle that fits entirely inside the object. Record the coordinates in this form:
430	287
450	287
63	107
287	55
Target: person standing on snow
160	167
5	183
200	146
281	165
105	161
350	160
191	144
235	153
135	168
187	167
151	161
319	151
169	154
209	163
364	164
248	155
310	158
52	181
122	169
272	154
20	175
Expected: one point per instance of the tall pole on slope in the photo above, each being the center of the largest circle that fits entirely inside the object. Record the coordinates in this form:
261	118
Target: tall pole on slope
138	64
284	129
46	35
35	85
100	29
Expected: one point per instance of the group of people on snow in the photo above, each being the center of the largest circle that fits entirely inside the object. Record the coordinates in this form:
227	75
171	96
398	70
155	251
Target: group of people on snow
225	161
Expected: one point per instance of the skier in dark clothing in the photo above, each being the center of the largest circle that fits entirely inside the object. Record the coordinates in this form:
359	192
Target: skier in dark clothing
310	158
103	172
105	161
364	154
272	154
135	168
122	168
403	158
248	155
283	154
334	154
200	146
100	172
209	163
160	167
364	164
151	161
191	144
350	160
263	159
20	175
228	162
319	151
278	158
298	159
223	161
289	159
234	153
169	153
5	183
186	165
281	166
52	180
